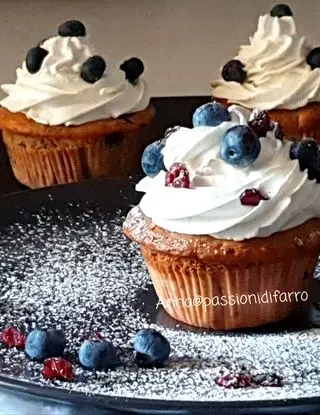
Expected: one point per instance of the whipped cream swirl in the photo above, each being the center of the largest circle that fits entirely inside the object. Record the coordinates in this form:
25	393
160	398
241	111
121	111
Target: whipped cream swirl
278	75
212	206
56	94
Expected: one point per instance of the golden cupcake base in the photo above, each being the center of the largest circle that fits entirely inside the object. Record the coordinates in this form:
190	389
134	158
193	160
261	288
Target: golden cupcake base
42	155
194	275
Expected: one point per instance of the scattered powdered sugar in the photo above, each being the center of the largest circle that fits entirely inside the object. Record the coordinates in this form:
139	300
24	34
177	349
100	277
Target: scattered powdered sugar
75	270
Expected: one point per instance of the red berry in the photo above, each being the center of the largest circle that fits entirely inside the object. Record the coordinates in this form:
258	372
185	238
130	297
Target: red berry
58	368
178	176
11	337
235	381
252	197
260	122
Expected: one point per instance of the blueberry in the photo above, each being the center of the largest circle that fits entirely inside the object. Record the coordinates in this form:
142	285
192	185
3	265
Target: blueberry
277	130
306	151
152	159
72	28
211	114
281	10
314	168
240	146
233	71
35	58
151	347
133	68
98	354
313	58
42	343
92	69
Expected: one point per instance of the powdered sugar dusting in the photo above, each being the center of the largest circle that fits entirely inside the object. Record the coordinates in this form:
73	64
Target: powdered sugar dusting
74	269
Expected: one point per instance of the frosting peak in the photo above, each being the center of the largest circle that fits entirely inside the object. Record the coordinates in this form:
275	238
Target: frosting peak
269	26
56	94
278	75
212	206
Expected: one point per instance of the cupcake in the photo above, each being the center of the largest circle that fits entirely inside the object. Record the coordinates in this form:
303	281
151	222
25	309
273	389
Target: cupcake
277	71
229	223
72	115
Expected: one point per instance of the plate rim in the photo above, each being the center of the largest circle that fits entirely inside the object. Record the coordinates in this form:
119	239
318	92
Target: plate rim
128	403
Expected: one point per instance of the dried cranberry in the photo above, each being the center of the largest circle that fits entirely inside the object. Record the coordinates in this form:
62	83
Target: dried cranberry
178	176
252	197
260	122
11	337
235	380
58	368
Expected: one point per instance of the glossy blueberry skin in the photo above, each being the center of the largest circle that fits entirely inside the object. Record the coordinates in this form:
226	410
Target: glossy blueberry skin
133	68
281	10
152	159
151	346
98	355
72	28
211	114
313	58
42	343
306	151
92	69
240	146
34	59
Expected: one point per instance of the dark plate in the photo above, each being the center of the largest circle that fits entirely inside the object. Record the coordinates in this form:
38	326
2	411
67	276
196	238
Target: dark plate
113	199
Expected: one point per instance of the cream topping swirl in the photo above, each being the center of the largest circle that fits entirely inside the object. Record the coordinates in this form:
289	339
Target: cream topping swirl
56	94
212	206
278	75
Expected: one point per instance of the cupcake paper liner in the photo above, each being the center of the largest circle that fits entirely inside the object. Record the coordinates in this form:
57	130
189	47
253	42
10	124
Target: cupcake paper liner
224	297
49	164
44	156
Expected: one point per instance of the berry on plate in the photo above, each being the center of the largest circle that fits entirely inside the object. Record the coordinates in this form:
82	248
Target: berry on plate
11	337
151	347
44	343
98	354
57	368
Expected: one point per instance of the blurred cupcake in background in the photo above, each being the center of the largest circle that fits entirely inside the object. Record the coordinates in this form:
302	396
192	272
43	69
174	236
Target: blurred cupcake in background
73	115
277	71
